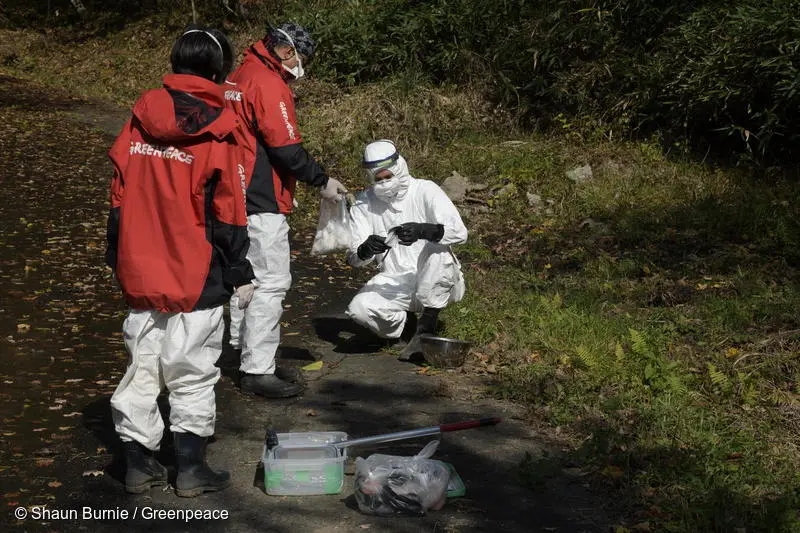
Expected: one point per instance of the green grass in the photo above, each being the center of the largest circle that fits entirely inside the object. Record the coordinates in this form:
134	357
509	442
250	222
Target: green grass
651	313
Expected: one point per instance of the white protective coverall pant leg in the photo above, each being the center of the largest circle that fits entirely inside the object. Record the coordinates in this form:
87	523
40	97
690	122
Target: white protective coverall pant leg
256	329
382	302
173	350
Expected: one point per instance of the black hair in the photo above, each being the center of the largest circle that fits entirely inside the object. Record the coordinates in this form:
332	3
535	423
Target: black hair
228	53
204	52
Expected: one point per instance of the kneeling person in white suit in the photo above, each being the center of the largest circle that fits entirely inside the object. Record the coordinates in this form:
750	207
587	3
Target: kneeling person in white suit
421	273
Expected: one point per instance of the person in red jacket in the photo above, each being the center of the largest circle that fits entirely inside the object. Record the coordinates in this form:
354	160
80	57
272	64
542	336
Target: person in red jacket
177	242
259	92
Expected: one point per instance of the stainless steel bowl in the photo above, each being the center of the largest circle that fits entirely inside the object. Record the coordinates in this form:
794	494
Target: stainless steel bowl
443	352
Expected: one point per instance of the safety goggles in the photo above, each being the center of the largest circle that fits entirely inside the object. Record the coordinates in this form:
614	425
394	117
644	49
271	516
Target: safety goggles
383	164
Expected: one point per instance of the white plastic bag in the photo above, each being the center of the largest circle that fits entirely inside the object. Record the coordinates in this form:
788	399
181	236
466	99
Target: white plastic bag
392	485
333	228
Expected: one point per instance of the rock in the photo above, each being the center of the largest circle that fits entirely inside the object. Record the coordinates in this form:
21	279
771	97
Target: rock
535	201
475	187
580	174
455	187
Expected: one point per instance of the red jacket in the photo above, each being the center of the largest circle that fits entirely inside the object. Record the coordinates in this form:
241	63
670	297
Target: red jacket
262	99
177	230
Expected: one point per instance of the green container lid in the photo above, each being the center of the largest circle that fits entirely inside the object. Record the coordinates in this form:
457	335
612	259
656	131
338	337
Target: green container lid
333	479
455	487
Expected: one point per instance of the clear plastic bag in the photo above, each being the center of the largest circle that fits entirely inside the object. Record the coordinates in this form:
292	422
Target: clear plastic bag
333	228
392	485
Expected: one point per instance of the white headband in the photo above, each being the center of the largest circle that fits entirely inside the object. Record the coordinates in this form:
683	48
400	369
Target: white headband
212	38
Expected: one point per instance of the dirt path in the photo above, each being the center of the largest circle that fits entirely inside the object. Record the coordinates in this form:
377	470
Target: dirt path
62	357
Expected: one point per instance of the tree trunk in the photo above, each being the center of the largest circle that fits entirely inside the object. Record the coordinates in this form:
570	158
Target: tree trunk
194	13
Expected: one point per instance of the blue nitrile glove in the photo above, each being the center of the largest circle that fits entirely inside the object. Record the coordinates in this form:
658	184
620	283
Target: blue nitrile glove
375	244
410	232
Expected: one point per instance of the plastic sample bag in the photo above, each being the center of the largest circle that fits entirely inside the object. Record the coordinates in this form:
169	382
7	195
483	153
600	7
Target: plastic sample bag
391	485
333	228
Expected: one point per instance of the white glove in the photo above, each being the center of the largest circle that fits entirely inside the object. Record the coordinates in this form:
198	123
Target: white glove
333	190
244	294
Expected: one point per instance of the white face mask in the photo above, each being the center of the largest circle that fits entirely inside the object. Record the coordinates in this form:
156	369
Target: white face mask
296	71
387	190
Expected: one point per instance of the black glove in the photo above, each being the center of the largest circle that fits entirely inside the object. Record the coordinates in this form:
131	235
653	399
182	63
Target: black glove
410	232
375	244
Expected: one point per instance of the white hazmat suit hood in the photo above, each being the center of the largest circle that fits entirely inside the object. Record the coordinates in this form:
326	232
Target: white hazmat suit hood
383	155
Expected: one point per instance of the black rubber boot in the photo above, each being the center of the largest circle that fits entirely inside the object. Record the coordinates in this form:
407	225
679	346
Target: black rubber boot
142	469
194	475
290	374
426	325
269	386
409	328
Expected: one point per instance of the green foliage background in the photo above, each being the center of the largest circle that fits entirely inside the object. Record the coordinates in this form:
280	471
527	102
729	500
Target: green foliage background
705	76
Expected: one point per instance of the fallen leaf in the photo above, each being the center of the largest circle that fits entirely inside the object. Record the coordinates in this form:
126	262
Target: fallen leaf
317	365
23	328
311	412
44	461
54	484
93	473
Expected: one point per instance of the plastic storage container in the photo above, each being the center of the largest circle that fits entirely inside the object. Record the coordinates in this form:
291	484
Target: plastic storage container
305	464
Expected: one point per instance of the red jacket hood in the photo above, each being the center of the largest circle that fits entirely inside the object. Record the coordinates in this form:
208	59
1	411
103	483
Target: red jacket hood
258	52
186	107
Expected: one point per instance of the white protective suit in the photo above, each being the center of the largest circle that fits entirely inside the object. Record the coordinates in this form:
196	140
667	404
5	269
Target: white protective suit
423	274
173	350
256	329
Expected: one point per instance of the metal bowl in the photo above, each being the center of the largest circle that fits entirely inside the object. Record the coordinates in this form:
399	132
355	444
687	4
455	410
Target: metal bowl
443	352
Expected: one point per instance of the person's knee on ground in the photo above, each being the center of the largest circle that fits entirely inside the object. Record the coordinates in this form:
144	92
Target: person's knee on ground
142	470
194	475
359	312
363	312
